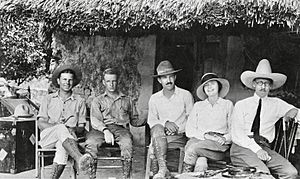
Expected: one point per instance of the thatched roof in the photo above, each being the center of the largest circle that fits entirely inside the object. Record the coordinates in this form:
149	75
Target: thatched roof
125	15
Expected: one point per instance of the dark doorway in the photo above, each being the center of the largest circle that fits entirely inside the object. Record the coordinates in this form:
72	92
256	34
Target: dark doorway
178	49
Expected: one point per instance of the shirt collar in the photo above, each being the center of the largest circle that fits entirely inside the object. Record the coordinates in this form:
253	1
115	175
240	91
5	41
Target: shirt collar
105	94
219	100
56	95
176	91
256	97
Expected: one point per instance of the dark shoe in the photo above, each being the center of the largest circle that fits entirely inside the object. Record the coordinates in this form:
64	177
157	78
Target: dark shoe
57	171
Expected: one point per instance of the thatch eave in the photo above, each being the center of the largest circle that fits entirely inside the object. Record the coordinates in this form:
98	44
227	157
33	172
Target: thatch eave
94	16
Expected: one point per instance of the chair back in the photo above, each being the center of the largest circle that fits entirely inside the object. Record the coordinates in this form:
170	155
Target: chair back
285	137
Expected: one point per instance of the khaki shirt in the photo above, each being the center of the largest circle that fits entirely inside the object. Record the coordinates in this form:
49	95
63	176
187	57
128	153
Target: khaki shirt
121	109
70	112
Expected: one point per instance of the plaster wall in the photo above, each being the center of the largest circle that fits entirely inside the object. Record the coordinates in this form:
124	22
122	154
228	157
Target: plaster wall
134	57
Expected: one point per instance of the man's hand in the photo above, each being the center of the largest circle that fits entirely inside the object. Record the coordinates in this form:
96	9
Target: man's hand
263	155
171	127
109	121
109	137
220	139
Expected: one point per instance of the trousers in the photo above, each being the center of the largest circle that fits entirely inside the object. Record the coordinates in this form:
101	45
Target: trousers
53	137
122	136
278	165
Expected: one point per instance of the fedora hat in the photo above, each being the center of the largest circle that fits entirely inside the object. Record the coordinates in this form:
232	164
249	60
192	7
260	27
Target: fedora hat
212	77
165	68
263	70
74	68
22	110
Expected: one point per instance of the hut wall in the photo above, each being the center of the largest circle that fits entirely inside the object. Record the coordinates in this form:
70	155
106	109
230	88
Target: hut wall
134	57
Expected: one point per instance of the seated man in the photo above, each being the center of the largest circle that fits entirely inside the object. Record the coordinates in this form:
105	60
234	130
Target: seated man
253	123
59	115
167	116
111	114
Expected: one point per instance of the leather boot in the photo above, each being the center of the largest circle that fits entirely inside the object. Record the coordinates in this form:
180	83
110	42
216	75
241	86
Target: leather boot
154	166
127	165
187	168
160	146
57	170
83	161
93	169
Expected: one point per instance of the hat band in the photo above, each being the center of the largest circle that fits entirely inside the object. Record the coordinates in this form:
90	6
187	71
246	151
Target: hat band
208	77
165	71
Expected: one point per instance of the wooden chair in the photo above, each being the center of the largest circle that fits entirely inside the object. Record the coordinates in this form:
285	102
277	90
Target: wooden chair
112	153
285	137
150	156
41	154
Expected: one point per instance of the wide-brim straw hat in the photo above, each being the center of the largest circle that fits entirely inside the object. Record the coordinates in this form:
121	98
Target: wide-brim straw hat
22	110
165	68
74	68
212	77
263	70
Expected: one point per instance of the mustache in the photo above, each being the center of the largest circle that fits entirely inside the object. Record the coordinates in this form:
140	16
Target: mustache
169	83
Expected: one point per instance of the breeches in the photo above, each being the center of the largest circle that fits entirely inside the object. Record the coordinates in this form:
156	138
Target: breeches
203	148
122	137
53	137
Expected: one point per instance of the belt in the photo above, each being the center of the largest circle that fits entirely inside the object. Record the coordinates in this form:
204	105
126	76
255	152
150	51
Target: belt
260	140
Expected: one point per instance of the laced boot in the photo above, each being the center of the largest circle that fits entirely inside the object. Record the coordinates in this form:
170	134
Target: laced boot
160	150
93	169
154	166
127	166
57	171
187	168
83	161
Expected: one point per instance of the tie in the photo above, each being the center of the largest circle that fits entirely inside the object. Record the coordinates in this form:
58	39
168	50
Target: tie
256	122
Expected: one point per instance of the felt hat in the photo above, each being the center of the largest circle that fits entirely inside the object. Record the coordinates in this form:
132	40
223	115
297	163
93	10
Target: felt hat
212	77
74	68
263	70
22	110
165	68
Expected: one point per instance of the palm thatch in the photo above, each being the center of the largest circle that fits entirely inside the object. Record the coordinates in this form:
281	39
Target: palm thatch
126	15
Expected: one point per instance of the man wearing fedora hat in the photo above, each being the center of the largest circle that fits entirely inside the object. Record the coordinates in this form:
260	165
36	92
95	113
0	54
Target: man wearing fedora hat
208	125
253	123
59	115
167	115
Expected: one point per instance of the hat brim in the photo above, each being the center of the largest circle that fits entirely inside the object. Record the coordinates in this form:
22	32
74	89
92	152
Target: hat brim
224	91
167	73
74	68
247	78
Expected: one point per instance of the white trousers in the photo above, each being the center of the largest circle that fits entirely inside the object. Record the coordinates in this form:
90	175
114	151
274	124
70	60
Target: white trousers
53	137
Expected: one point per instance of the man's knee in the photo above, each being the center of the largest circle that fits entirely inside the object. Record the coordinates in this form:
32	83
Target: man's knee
157	130
290	172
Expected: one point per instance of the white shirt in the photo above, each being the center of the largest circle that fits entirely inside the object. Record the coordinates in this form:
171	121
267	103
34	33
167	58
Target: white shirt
205	118
174	109
272	109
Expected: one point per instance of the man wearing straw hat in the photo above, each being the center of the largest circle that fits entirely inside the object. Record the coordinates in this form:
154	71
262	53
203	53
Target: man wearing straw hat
59	115
253	123
167	115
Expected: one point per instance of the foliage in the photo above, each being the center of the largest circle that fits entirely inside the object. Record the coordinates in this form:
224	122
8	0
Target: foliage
126	15
21	52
